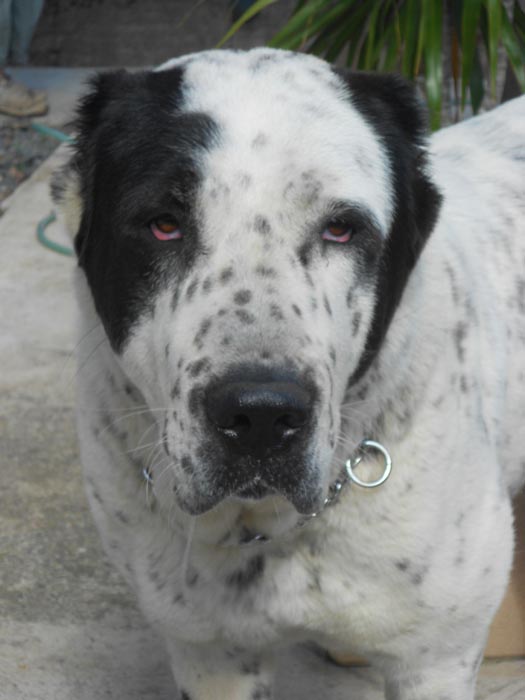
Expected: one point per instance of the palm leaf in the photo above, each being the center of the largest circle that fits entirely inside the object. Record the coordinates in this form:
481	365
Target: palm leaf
514	47
299	22
477	88
250	12
302	34
469	28
432	21
409	24
493	9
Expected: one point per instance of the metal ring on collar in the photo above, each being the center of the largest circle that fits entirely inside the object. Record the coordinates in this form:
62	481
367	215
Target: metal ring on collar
369	445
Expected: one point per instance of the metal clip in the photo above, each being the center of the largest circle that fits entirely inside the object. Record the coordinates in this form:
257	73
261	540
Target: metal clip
364	446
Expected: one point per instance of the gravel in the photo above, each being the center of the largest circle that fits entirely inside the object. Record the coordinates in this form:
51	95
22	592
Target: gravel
22	150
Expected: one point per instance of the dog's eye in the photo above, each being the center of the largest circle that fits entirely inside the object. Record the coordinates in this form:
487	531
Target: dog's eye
165	228
337	232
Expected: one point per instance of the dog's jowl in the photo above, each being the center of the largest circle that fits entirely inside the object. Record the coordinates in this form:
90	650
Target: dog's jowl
274	263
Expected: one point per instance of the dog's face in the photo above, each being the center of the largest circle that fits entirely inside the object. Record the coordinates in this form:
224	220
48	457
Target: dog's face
248	222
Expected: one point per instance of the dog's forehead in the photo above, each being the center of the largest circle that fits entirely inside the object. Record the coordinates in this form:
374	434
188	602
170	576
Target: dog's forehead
288	127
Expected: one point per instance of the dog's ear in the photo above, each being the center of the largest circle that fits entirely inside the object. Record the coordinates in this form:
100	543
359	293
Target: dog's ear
392	108
70	184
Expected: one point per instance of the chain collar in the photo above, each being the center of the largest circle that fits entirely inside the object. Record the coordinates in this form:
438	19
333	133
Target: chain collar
346	475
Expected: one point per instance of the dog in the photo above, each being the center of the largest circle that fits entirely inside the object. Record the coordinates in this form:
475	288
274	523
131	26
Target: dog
286	291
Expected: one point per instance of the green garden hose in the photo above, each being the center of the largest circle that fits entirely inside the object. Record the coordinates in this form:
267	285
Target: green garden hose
47	242
44	223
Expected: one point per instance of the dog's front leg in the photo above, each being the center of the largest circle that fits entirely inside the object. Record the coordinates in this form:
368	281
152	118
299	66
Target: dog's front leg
452	678
210	672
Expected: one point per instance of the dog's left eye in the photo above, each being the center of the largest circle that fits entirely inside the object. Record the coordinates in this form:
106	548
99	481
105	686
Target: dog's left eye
165	228
337	232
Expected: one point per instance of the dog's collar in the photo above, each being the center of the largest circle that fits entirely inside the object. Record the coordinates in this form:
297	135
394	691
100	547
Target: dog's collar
347	475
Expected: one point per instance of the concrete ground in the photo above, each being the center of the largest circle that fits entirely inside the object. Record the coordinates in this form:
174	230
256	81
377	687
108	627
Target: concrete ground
69	628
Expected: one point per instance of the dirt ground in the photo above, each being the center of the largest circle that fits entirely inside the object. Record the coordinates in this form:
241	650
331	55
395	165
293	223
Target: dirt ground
22	150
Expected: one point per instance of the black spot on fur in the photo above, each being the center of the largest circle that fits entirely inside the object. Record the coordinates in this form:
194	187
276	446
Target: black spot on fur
192	578
252	572
242	297
276	312
178	599
460	333
332	354
175	390
265	271
403	564
207	285
260	140
309	279
453	283
184	695
262	226
297	311
191	289
356	323
251	667
520	286
202	332
245	316
327	305
226	275
130	390
304	252
197	367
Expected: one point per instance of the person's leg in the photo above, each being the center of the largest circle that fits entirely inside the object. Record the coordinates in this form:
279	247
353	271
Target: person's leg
25	14
5	30
16	100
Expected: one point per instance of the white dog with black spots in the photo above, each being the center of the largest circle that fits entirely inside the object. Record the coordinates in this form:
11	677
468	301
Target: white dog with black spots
275	264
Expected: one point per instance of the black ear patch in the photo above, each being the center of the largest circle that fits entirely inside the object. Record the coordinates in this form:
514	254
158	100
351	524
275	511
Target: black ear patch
391	107
136	157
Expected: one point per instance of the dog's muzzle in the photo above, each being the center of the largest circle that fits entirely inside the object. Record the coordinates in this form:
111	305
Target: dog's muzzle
261	423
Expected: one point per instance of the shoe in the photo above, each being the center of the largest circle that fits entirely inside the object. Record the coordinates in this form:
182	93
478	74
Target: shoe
18	101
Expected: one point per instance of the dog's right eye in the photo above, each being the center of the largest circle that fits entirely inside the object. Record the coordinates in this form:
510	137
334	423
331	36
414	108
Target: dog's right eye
165	228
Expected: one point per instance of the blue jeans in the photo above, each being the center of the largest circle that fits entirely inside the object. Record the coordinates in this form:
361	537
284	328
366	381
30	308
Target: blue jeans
18	20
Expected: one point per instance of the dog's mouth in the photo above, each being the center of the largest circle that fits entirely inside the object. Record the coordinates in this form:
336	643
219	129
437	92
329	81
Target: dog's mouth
255	490
303	498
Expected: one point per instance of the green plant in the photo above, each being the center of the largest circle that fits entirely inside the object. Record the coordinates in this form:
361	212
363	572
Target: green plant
407	36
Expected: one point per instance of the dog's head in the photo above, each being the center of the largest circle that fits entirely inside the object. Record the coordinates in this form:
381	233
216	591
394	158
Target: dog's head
246	224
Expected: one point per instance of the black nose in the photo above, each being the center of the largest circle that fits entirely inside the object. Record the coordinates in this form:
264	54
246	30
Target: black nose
259	416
